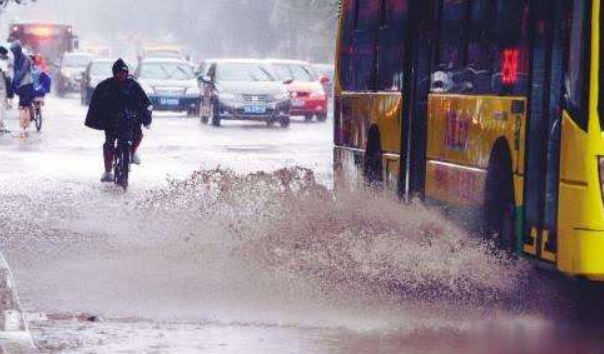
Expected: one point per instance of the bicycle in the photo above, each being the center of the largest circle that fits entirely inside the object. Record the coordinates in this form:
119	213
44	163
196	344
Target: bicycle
35	112
122	157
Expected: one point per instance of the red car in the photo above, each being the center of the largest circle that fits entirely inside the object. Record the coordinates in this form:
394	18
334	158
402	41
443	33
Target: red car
305	87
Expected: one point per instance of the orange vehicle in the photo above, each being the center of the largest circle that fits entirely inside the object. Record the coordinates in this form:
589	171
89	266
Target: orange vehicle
49	39
492	108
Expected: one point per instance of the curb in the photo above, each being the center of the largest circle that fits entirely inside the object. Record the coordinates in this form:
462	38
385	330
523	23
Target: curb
15	337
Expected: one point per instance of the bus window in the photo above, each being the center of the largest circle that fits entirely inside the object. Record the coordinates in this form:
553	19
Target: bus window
367	11
578	64
391	45
452	34
483	48
482	51
364	46
347	45
512	59
452	49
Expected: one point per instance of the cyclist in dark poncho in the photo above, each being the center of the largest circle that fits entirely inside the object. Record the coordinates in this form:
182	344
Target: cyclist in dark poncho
110	101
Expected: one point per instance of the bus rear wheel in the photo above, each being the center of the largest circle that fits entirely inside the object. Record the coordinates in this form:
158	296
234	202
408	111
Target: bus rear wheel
499	209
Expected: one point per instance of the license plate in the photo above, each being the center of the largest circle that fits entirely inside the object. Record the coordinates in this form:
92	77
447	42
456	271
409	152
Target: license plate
255	109
298	103
169	101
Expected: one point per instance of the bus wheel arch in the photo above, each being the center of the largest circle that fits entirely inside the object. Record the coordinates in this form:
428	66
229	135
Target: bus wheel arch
499	214
373	165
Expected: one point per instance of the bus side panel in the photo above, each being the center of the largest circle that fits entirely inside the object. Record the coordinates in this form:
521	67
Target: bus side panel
581	209
581	219
359	111
462	131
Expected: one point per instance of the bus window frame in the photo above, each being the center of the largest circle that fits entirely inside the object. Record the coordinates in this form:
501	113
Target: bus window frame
464	37
580	114
601	71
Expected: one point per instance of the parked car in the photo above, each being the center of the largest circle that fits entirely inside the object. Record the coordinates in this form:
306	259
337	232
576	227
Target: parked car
73	65
171	85
306	88
243	89
328	71
97	71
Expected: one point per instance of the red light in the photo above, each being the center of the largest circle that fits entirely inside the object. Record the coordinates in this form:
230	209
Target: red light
509	68
42	31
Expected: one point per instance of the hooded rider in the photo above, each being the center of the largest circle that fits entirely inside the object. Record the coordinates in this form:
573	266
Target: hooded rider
23	85
110	99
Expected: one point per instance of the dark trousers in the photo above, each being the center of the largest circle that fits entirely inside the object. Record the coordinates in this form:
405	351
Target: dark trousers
111	137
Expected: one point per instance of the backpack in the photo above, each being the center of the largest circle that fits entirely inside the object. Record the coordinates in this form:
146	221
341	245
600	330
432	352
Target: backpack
42	83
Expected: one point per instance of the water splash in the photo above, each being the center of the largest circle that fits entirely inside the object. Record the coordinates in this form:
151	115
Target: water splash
287	222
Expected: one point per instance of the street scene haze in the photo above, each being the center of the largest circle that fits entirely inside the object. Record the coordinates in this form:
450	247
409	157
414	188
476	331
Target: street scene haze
301	177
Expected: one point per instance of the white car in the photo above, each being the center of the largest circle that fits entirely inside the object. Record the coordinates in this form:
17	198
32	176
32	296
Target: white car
171	84
97	71
72	69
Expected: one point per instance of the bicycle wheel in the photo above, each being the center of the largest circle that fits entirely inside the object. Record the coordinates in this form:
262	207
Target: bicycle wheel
124	166
117	172
38	119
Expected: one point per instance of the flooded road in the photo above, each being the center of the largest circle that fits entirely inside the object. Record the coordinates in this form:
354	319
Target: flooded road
204	254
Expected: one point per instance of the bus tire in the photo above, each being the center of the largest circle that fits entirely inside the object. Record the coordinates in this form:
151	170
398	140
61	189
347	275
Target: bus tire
499	218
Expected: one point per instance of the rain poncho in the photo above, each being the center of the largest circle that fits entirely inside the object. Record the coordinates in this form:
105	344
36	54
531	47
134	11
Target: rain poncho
23	67
111	98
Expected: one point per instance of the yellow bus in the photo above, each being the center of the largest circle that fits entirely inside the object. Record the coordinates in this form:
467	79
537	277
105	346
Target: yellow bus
489	107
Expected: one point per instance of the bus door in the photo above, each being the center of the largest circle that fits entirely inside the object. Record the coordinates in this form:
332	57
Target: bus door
542	161
416	87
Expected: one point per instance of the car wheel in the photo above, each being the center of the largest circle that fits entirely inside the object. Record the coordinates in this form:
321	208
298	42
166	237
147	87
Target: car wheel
308	118
284	122
322	117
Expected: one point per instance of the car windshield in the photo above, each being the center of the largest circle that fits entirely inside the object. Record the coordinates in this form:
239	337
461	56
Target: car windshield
101	69
296	72
77	60
166	71
244	72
